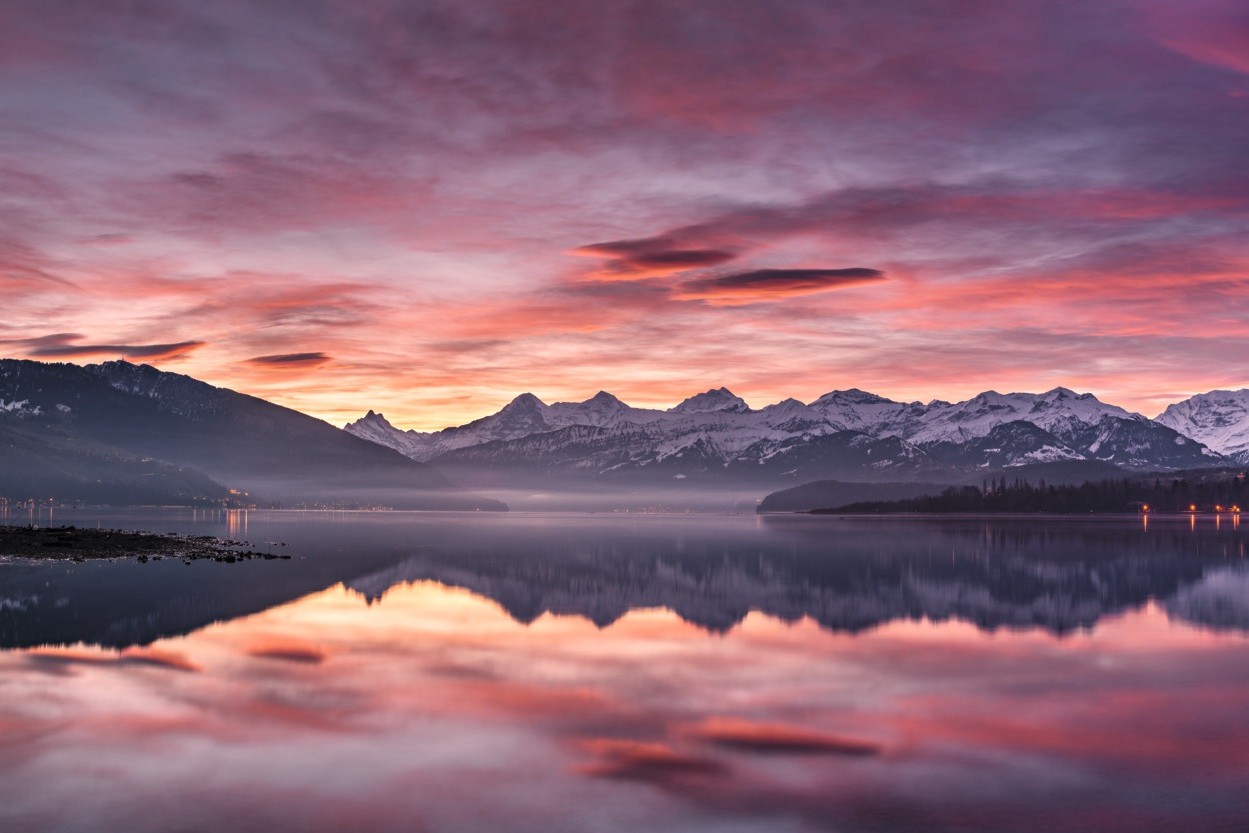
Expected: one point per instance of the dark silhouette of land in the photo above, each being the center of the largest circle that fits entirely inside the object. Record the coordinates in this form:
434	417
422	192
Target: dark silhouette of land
68	543
1224	490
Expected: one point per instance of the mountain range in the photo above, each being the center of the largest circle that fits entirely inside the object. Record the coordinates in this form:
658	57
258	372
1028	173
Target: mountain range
119	432
124	433
848	434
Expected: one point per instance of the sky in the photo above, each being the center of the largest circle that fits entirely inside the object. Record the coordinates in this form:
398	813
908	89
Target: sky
426	208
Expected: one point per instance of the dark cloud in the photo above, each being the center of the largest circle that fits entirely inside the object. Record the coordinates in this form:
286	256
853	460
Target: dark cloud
790	278
681	259
58	662
990	210
628	248
743	736
50	340
651	762
303	654
291	360
775	283
657	255
133	351
159	659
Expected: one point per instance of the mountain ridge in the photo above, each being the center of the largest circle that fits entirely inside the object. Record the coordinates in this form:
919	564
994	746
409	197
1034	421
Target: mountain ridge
843	433
128	414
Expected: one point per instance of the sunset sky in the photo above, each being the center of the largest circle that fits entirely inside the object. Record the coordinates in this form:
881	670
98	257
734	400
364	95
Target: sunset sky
426	208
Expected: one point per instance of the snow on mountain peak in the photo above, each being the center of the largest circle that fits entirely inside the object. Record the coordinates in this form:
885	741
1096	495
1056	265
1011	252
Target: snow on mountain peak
600	409
524	402
716	399
375	419
717	426
600	403
1219	418
1060	411
853	396
859	410
789	404
795	416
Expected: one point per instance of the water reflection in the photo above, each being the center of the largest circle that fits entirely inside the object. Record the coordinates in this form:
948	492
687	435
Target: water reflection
726	674
236	524
434	710
846	574
852	575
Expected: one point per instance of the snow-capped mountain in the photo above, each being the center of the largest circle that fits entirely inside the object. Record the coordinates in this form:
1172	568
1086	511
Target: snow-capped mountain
720	399
524	416
1220	419
1060	411
1085	427
842	433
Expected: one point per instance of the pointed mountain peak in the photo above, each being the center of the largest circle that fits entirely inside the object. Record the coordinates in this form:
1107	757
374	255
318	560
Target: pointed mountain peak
717	399
1060	393
603	398
524	402
789	405
788	409
524	413
853	396
371	418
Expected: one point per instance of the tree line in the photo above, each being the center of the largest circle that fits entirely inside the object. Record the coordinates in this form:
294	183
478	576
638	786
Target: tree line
1158	494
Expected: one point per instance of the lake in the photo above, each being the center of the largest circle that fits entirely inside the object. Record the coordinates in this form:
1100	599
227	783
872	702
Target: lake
541	672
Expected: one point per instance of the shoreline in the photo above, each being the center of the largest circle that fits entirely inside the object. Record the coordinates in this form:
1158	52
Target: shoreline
76	544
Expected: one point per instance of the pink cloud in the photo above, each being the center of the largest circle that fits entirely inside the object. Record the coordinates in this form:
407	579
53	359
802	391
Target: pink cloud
1215	32
400	189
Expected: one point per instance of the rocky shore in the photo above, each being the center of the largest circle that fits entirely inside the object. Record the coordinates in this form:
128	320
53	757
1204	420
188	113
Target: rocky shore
68	543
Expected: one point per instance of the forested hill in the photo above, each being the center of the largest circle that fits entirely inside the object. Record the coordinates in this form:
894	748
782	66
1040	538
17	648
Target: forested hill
1221	491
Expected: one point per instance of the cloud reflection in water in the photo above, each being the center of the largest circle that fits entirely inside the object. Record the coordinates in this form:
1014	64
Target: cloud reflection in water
435	710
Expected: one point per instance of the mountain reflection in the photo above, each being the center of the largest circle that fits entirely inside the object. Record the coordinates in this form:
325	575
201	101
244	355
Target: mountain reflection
852	575
847	574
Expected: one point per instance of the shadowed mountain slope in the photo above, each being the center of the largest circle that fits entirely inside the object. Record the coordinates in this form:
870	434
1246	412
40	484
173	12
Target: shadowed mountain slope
59	416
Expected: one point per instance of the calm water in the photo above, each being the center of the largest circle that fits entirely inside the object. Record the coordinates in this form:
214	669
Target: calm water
423	672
